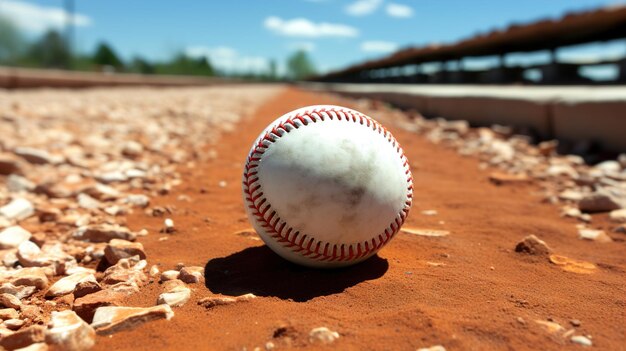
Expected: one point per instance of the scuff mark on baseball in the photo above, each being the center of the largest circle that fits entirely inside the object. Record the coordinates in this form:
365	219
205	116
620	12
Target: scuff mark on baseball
326	186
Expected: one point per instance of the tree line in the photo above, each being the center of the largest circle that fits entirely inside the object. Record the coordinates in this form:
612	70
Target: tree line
51	50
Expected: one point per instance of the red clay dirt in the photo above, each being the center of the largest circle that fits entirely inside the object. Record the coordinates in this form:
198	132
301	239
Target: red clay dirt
467	291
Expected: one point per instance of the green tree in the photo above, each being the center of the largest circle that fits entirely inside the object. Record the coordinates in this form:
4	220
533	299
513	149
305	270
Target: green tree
106	56
50	51
299	65
185	65
273	71
203	66
141	65
11	41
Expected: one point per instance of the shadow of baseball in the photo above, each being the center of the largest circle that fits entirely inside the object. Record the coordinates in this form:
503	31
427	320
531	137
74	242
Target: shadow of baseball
260	271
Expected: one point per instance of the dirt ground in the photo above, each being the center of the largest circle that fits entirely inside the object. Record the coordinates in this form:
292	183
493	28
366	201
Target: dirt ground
466	291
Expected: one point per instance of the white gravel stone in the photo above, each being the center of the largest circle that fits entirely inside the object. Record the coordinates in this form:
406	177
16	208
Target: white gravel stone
8	313
12	237
138	200
16	183
176	293
111	177
38	346
32	276
135	173
10	301
571	195
618	215
595	235
323	335
126	270
5	222
432	348
102	192
132	148
52	255
28	252
67	331
154	271
168	225
21	292
117	249
13	324
114	210
17	209
103	233
169	275
581	340
425	232
608	167
35	156
111	319
66	285
504	150
212	301
87	202
562	170
192	274
572	212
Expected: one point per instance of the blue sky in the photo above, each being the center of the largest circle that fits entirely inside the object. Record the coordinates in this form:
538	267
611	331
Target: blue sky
241	35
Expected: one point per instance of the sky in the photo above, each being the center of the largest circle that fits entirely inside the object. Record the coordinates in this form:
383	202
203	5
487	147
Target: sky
242	35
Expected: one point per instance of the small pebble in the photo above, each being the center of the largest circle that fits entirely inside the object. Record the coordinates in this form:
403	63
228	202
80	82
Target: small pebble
581	340
168	226
13	324
169	275
323	335
432	348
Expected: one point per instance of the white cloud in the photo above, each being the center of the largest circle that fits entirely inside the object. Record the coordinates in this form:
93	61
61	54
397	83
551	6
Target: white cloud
399	10
302	27
379	46
302	45
35	18
363	7
228	59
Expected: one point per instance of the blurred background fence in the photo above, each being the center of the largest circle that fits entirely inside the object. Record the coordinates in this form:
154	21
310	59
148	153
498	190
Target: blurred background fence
408	65
14	78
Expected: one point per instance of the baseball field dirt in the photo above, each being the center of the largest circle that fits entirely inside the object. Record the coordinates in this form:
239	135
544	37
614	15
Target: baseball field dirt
467	290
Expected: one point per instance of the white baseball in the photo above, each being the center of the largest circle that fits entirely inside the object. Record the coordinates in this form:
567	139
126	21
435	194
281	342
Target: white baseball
326	186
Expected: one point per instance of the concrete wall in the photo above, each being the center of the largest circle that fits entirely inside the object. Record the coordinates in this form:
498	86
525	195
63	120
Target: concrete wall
604	122
571	114
484	111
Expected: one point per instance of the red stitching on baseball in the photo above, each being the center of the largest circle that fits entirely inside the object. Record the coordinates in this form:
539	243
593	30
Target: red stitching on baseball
281	232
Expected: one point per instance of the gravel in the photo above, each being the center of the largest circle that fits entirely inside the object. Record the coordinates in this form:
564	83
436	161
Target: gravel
72	164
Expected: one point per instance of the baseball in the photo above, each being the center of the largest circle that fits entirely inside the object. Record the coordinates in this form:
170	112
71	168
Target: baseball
326	186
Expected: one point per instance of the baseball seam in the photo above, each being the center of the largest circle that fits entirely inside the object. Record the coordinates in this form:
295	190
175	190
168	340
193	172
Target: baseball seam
278	229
